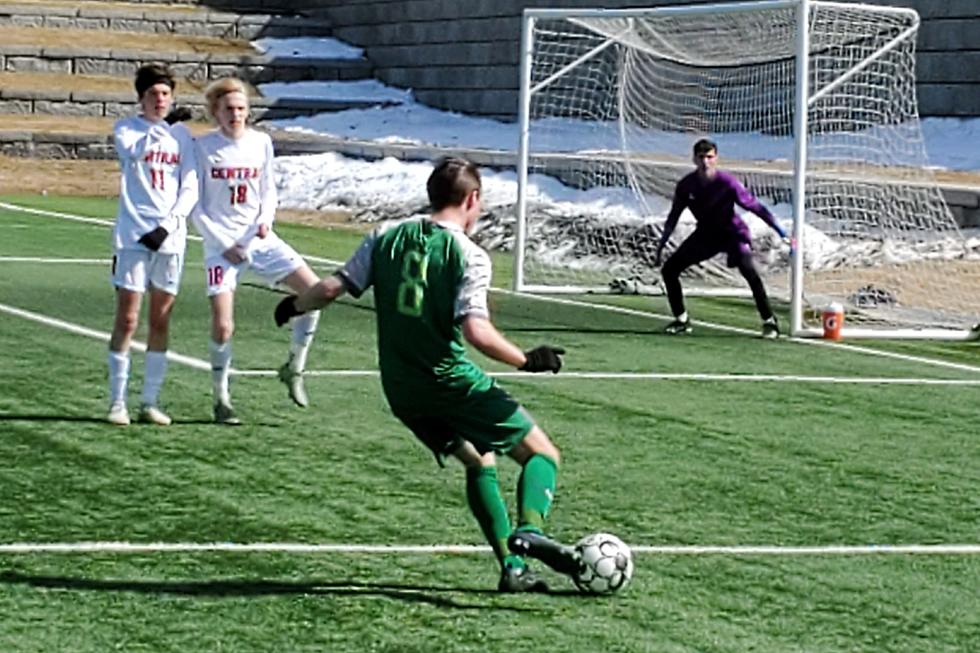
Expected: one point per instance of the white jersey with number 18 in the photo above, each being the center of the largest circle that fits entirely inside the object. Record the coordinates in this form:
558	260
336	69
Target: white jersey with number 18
238	191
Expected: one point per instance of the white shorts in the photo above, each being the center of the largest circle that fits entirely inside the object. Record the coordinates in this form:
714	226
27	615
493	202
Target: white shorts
140	269
270	258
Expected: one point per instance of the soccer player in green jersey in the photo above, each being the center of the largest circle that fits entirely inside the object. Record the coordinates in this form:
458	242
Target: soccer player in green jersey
430	289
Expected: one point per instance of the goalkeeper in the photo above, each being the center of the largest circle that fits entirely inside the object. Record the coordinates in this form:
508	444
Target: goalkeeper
711	196
430	290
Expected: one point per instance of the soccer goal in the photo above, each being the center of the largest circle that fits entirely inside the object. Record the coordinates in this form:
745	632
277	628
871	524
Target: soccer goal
813	107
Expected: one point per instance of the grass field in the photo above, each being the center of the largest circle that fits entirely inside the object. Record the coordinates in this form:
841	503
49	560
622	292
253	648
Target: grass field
718	440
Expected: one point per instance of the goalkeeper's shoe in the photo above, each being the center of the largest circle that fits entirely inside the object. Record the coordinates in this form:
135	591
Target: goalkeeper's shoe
678	326
225	414
118	414
153	415
563	559
520	579
770	329
294	383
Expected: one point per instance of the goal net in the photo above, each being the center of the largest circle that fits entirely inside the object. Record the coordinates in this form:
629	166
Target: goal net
613	100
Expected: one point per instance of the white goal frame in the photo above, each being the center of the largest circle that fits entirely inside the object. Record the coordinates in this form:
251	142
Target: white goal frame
802	101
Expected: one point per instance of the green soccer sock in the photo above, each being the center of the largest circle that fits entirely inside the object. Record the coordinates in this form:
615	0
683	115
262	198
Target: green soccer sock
535	492
487	504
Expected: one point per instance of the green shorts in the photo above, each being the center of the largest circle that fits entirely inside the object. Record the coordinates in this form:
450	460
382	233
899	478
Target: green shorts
490	419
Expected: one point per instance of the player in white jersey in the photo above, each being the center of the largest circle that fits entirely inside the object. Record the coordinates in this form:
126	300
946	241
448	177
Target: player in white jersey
234	216
158	191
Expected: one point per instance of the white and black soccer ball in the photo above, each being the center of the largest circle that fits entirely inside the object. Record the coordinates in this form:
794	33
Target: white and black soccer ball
607	564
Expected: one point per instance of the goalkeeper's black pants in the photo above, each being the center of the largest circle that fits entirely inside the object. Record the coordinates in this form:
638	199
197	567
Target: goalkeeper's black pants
698	248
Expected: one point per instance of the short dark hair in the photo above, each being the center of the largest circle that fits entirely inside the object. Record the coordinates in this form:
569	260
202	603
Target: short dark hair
704	146
452	180
151	74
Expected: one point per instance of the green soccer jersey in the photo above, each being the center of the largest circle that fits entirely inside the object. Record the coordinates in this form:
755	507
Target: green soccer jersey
427	277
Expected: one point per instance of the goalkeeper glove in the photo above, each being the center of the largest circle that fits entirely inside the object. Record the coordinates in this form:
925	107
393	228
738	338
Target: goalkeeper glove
153	239
542	359
178	114
286	310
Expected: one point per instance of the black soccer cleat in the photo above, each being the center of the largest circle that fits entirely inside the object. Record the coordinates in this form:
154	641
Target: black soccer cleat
561	558
520	579
678	326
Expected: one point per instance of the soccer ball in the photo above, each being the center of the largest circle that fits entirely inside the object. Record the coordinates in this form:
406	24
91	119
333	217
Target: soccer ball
607	564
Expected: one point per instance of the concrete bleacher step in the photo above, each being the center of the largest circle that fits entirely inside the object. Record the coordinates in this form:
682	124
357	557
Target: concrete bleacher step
90	137
157	18
77	59
104	95
93	52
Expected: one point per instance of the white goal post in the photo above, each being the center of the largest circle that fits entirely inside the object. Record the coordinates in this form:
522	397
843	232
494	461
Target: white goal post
813	107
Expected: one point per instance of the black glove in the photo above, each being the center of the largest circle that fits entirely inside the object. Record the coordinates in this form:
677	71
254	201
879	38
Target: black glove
286	310
153	239
543	359
178	114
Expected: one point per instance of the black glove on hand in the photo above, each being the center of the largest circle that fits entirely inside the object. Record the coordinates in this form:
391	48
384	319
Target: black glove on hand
178	114
153	239
543	359
286	310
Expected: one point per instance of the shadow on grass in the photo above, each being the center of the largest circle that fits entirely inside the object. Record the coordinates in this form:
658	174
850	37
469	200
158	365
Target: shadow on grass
433	595
37	417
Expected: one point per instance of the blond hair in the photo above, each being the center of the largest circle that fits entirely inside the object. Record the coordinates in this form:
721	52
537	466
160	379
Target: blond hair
220	88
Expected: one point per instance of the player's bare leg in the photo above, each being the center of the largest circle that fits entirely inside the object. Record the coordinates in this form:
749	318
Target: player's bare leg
219	349
123	328
157	341
304	327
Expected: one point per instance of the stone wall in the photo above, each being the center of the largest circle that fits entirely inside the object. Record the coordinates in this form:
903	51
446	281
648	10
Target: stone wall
463	54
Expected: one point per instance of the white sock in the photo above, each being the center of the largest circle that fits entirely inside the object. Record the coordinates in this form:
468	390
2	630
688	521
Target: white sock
156	369
683	317
118	375
304	327
220	370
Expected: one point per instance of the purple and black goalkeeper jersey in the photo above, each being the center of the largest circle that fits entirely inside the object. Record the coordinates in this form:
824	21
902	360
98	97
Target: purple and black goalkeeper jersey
712	202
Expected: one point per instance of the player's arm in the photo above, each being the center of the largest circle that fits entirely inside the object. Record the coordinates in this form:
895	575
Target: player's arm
353	278
482	334
132	144
188	194
474	315
750	202
215	236
268	196
268	199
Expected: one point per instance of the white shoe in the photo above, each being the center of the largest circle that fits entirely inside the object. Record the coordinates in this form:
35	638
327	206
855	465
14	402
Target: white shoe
118	414
153	415
770	329
294	382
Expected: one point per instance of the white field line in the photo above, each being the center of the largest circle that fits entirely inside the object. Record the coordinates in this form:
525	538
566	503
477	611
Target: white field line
382	549
196	363
657	376
200	364
39	259
731	329
602	307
